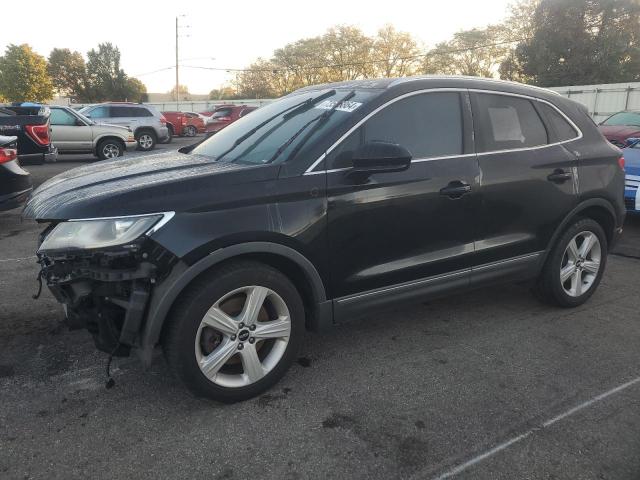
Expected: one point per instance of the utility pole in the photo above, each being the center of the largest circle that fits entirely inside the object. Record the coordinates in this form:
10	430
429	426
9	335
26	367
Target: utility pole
177	77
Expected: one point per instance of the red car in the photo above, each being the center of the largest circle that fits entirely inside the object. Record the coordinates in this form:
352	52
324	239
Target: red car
226	114
188	124
621	126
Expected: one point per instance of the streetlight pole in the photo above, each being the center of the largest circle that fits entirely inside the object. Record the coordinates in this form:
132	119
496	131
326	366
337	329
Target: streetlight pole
177	78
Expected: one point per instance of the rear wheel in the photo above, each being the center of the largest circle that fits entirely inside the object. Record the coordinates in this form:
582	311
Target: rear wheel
235	332
575	266
146	140
109	148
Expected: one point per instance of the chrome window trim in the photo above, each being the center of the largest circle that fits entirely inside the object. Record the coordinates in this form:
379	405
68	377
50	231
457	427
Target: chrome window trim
311	171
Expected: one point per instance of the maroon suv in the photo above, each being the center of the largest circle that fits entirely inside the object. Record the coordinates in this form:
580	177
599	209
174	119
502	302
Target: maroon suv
621	126
226	114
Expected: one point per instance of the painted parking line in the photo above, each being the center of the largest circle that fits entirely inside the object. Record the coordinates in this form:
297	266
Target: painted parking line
548	423
20	259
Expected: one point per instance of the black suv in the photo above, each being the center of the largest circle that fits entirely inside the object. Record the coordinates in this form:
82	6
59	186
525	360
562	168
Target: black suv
329	203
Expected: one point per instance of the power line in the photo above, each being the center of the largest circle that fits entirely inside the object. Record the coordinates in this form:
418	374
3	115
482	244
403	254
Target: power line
339	65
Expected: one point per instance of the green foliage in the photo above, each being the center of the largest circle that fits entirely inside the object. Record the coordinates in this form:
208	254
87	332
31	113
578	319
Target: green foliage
69	73
107	80
23	75
582	42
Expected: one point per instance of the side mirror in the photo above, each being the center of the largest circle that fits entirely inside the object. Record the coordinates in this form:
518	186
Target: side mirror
79	123
380	157
632	142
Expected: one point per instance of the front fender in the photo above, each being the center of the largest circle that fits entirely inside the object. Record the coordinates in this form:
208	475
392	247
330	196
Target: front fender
165	294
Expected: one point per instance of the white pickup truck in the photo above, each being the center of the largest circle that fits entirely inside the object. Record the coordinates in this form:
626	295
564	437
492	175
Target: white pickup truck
72	132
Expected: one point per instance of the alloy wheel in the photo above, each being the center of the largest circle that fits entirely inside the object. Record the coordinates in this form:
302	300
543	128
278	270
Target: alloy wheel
243	336
145	141
111	151
580	264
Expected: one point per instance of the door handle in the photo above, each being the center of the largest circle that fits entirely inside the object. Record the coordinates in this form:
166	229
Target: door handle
559	176
455	189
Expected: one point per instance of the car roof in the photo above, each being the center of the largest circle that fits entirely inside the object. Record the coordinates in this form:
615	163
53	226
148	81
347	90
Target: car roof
434	81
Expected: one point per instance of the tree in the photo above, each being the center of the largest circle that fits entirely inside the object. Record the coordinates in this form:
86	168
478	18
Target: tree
472	52
69	74
577	42
23	75
222	93
395	53
184	92
108	81
135	90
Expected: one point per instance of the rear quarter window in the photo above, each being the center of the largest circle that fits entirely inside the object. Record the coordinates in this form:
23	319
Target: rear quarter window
561	127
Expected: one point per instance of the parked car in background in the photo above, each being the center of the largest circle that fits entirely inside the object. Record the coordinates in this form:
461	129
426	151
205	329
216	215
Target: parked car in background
632	171
72	132
186	124
226	115
15	183
621	126
331	203
147	124
29	122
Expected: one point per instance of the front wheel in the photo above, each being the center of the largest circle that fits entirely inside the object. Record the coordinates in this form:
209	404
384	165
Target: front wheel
190	131
575	265
108	149
146	140
235	332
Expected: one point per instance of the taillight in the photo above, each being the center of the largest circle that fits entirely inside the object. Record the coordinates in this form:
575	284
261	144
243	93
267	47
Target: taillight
163	120
223	119
40	133
8	154
621	163
184	120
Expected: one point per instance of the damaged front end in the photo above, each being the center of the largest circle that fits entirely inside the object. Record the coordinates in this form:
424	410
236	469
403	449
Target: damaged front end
103	273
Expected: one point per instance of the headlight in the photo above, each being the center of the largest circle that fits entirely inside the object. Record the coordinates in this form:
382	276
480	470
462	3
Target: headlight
102	232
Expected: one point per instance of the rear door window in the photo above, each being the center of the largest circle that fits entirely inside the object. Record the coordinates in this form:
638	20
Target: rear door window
121	112
428	125
505	122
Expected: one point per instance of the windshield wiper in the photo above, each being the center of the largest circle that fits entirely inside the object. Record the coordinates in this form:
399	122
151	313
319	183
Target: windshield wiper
321	119
292	110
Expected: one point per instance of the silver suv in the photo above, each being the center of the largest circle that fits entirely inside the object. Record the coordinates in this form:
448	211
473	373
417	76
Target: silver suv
72	132
148	125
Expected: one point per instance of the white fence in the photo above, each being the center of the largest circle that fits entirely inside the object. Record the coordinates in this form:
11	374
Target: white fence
203	105
605	99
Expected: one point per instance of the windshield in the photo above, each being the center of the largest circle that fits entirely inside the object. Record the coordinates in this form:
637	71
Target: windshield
261	146
624	118
86	119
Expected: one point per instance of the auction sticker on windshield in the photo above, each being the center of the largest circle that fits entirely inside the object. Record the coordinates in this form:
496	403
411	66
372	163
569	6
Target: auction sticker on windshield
346	106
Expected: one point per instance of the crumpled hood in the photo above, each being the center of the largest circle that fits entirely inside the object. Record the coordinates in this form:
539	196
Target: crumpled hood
153	183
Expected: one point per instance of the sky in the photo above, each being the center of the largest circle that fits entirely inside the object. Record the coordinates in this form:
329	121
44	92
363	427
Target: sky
226	34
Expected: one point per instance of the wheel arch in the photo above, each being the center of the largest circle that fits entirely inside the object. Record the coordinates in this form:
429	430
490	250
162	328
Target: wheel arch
290	262
109	136
145	128
599	209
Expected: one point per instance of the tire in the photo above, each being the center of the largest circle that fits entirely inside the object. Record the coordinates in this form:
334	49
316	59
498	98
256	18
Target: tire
147	140
109	148
240	361
583	269
190	131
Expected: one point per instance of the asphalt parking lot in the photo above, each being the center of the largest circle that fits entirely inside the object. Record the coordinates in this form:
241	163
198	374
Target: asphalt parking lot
486	385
